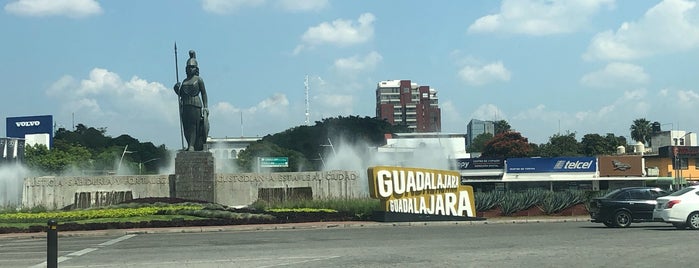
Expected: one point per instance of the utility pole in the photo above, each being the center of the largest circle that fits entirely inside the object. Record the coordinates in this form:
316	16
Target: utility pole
308	108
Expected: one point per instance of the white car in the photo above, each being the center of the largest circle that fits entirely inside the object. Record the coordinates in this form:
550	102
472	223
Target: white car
680	208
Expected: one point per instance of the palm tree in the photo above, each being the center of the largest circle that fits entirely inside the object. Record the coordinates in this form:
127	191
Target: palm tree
641	130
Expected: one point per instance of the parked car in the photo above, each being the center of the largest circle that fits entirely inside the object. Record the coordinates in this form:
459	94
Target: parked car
621	207
680	208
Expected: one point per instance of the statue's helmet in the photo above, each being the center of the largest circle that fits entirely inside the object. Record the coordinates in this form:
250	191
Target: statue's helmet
192	61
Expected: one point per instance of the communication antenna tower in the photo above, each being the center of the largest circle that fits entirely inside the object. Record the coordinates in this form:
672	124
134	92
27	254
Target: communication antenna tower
308	108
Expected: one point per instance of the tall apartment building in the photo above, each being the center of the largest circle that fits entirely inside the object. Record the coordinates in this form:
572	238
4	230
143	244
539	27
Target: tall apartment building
476	127
403	102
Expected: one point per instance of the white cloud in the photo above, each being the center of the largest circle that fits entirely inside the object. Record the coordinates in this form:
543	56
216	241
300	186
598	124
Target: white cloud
143	109
615	116
148	110
339	32
488	112
540	17
668	27
229	6
276	103
357	64
232	6
333	104
302	5
484	74
46	8
105	94
687	97
616	75
452	121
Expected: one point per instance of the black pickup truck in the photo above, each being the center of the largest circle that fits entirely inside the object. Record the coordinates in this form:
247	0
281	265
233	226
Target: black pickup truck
621	207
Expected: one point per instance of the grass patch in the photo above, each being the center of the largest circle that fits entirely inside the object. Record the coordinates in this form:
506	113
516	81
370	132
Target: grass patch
74	215
360	207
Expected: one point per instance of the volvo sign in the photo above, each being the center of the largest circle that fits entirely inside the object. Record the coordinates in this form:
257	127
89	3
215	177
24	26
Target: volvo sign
21	127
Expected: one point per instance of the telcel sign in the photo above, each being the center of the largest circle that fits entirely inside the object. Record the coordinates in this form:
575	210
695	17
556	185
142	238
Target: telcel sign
421	191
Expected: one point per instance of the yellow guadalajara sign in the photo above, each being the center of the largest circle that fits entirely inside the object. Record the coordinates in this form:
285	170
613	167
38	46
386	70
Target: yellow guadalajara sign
421	191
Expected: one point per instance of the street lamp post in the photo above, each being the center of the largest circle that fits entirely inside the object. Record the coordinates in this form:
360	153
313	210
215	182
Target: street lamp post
140	165
676	167
122	157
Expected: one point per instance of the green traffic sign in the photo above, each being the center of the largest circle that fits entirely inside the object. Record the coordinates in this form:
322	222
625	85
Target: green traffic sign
274	162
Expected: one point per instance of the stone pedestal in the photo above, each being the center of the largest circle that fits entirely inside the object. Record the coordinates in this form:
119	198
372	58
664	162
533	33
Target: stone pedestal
194	176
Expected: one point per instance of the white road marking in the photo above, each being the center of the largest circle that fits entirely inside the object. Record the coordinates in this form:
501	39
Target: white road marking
82	252
116	240
85	251
283	261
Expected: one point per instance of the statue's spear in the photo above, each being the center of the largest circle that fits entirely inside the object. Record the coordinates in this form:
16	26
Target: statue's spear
179	100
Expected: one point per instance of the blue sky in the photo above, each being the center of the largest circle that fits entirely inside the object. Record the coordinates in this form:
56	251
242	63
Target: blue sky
547	67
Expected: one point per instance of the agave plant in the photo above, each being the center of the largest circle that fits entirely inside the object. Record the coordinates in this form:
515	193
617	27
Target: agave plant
487	200
512	202
555	202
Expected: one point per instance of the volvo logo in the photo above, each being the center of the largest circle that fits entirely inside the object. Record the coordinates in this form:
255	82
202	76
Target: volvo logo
28	123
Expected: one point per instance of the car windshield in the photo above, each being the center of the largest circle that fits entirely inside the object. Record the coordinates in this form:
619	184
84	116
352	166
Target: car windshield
682	191
612	193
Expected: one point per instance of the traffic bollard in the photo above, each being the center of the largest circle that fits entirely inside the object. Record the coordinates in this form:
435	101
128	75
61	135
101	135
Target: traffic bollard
52	245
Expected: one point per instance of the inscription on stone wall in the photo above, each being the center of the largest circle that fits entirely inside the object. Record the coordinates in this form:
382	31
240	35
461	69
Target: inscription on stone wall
287	177
94	181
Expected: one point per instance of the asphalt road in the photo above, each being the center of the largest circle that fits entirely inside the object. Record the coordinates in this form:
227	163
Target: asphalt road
542	244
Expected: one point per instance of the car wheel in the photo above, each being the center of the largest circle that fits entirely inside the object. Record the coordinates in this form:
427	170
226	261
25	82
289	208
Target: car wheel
693	221
679	226
622	219
609	224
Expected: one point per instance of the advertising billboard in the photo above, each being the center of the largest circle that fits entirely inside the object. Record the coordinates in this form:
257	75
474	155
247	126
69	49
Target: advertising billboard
620	166
679	151
479	163
554	164
19	127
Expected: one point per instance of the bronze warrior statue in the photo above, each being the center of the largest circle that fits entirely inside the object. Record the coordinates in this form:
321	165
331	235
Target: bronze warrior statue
194	111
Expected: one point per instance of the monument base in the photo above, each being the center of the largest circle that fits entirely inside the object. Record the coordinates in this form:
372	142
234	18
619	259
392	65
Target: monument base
385	216
194	176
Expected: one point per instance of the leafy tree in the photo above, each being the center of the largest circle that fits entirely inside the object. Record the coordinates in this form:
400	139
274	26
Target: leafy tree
501	126
507	144
641	130
595	144
560	145
89	137
479	142
615	141
88	148
58	160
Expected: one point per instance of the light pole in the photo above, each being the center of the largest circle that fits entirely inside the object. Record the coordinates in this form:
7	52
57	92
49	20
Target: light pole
140	165
676	167
330	143
122	157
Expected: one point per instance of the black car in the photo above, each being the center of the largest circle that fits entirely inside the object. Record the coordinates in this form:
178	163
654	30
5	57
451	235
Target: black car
621	207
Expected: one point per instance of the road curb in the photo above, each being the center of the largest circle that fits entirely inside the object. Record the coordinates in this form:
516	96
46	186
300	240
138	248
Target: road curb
291	226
